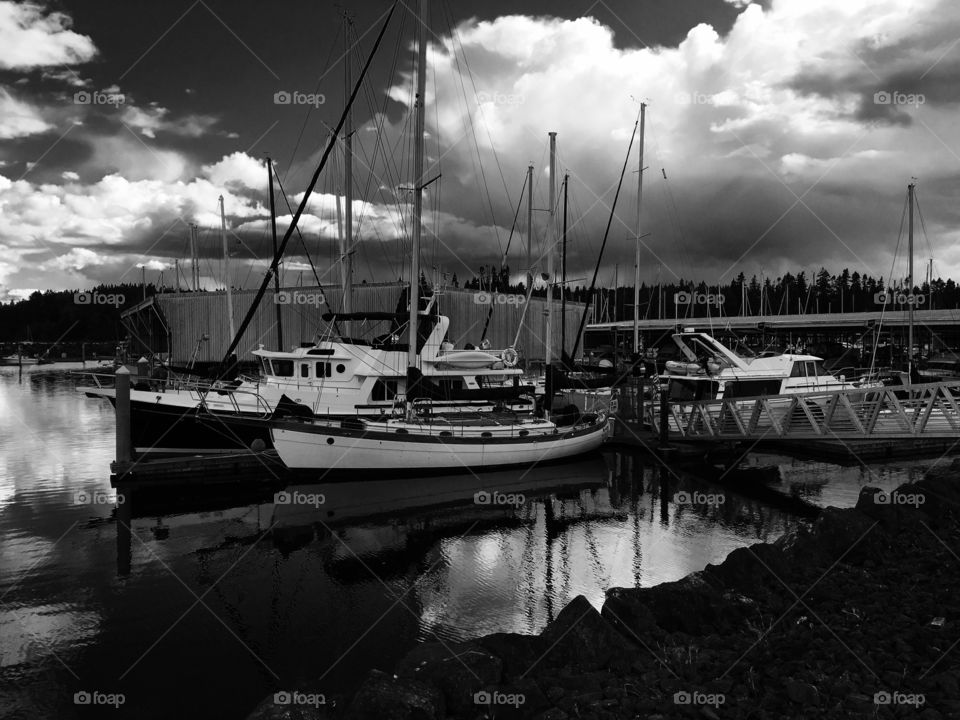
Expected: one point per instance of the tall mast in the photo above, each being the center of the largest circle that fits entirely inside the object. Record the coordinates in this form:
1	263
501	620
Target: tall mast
193	285
418	142
529	226
636	260
346	248
226	268
551	247
563	275
910	189
276	278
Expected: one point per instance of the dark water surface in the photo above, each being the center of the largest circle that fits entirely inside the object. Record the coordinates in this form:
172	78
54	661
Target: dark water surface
214	600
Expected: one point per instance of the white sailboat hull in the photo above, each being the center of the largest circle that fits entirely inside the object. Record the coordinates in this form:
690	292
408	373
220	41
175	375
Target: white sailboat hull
312	446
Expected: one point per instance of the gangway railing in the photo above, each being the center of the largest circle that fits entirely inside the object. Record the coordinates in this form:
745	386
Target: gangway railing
928	410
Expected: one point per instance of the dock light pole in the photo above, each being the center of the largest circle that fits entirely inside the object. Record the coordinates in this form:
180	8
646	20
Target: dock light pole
910	303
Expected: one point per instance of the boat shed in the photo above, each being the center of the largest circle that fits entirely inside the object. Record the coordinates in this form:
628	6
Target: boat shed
194	326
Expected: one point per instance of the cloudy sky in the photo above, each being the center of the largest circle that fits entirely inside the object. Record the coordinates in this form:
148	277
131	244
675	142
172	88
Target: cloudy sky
780	135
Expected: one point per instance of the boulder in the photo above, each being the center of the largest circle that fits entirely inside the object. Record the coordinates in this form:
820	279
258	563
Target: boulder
518	653
580	638
459	670
385	697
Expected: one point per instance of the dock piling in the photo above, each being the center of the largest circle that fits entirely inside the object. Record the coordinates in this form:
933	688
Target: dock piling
122	386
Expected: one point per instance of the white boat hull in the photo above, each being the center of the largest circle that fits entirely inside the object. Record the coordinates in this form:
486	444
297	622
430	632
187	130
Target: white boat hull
327	447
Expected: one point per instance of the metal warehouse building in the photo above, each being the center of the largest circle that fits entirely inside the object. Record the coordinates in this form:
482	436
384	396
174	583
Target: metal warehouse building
194	325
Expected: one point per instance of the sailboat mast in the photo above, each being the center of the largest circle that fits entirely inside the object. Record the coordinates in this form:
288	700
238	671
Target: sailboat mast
551	249
910	189
346	247
529	226
418	142
226	268
276	278
563	275
636	260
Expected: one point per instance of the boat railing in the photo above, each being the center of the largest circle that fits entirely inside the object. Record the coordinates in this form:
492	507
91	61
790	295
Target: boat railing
256	404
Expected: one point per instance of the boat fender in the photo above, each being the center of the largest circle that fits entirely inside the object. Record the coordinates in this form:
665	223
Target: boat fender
510	357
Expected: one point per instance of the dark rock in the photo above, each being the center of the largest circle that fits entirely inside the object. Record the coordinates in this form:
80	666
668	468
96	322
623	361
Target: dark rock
802	693
269	709
460	670
384	697
518	653
580	638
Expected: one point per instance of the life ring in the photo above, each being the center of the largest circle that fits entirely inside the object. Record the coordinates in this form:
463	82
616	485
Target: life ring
510	357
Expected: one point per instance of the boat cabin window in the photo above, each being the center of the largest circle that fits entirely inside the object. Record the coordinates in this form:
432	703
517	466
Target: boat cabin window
797	370
681	390
811	368
304	370
282	368
384	390
323	369
751	388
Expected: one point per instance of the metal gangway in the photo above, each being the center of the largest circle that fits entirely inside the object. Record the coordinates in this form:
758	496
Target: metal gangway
929	410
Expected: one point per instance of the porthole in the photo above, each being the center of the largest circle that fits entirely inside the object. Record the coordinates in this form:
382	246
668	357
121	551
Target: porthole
402	431
486	434
329	441
524	433
446	433
341	368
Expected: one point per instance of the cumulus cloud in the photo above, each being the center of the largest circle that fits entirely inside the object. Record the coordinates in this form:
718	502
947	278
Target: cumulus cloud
19	118
31	38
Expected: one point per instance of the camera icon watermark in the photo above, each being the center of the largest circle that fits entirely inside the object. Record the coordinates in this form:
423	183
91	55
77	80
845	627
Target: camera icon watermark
495	697
286	297
899	498
97	497
295	97
498	98
485	298
894	97
698	298
95	697
98	298
899	298
294	697
685	697
494	497
296	497
898	698
99	97
698	498
694	98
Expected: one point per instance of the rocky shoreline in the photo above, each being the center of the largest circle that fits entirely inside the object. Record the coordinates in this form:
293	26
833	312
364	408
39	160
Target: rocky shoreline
856	616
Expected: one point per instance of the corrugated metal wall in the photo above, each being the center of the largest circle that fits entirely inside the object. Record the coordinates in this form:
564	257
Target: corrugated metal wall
190	316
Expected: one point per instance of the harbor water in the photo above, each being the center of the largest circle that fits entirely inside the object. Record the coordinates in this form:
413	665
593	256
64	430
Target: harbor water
200	601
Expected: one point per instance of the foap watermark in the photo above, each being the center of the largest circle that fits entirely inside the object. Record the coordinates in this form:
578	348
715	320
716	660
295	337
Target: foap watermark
296	497
698	498
295	97
698	298
899	498
498	98
899	298
95	697
299	298
685	697
98	97
98	298
495	497
895	97
693	98
488	698
97	497
294	697
898	698
484	298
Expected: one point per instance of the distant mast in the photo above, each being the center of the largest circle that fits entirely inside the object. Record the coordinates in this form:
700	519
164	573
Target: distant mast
276	277
910	190
551	248
226	268
346	249
636	262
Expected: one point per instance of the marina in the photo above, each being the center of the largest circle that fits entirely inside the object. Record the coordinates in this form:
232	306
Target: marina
471	361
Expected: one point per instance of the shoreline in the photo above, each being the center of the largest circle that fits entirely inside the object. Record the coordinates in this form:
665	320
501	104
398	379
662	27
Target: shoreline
854	616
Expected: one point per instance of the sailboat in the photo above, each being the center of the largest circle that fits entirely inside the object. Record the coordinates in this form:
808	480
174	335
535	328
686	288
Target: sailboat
424	439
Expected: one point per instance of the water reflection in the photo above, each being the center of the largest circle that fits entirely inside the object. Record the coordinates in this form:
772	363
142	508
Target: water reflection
97	595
